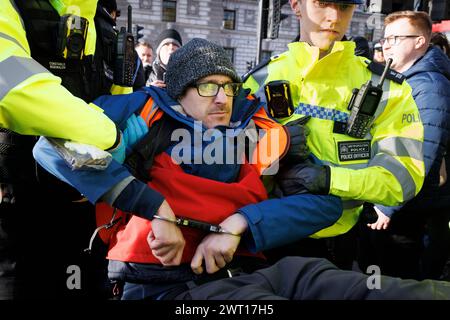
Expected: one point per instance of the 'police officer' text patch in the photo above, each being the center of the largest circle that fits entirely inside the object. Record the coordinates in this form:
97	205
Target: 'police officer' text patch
354	150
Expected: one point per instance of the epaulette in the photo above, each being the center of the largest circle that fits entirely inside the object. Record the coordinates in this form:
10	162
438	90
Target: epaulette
261	65
378	69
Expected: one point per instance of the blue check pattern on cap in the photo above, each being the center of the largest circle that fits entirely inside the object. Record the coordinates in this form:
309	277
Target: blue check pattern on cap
346	1
321	112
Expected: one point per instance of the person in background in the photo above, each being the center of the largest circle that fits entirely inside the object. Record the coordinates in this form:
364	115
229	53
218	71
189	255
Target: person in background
398	235
111	7
440	40
145	52
378	53
168	41
362	46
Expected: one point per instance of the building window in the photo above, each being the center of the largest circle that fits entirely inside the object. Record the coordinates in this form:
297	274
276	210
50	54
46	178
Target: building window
229	17
169	11
230	53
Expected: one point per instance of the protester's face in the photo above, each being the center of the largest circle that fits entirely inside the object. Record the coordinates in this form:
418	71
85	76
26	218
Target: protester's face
146	54
166	50
322	23
212	111
404	51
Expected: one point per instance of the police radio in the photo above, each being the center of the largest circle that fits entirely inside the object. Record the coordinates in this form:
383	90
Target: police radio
125	63
363	106
278	97
72	32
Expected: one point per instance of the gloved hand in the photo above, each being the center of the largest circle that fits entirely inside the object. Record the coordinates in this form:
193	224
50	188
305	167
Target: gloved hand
136	128
298	150
118	153
307	175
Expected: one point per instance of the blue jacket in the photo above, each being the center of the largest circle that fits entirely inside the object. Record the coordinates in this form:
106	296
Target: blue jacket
271	223
429	78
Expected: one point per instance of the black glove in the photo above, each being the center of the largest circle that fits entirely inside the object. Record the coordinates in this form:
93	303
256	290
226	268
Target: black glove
305	176
368	214
298	150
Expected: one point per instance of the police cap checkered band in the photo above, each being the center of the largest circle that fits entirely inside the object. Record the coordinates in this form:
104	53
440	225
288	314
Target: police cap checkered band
345	1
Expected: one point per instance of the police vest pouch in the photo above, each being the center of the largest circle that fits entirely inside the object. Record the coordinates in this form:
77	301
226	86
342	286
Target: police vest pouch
72	34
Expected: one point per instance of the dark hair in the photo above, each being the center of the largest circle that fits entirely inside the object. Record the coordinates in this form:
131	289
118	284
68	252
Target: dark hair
439	39
143	44
109	5
362	46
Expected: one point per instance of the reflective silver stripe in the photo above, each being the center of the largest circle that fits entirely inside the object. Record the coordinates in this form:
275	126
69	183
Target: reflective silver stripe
351	204
401	147
111	196
260	76
18	13
353	166
399	171
7	37
385	97
14	70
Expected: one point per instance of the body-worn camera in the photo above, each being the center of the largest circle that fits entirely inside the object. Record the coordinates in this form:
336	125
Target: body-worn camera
278	97
72	35
363	105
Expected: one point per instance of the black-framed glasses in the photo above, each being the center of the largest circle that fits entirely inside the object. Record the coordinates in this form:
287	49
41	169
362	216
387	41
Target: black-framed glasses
211	89
395	40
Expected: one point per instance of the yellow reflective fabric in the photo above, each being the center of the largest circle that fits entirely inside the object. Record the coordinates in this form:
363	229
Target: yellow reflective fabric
11	26
323	88
116	89
81	8
35	103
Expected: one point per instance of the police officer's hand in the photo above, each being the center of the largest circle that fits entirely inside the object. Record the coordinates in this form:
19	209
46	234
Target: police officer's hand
158	83
298	150
382	222
304	177
7	193
166	240
218	249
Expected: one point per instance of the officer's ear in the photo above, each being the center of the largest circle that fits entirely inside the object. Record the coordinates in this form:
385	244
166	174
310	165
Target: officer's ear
295	6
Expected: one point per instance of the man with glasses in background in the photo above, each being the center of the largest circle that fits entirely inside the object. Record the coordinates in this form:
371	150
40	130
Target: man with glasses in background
427	69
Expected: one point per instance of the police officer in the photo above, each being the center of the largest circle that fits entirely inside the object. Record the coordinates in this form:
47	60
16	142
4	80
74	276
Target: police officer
56	57
384	165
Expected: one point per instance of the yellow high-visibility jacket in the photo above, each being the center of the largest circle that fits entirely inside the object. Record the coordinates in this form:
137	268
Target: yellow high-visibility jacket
386	166
32	100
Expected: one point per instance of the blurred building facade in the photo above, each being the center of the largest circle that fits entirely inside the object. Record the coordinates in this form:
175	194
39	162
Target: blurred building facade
229	23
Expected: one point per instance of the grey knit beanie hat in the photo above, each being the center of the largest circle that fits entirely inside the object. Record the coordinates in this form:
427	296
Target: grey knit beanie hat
196	59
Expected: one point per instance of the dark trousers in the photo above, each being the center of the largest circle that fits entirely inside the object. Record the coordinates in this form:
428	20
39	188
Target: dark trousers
41	236
415	246
298	278
340	250
436	245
